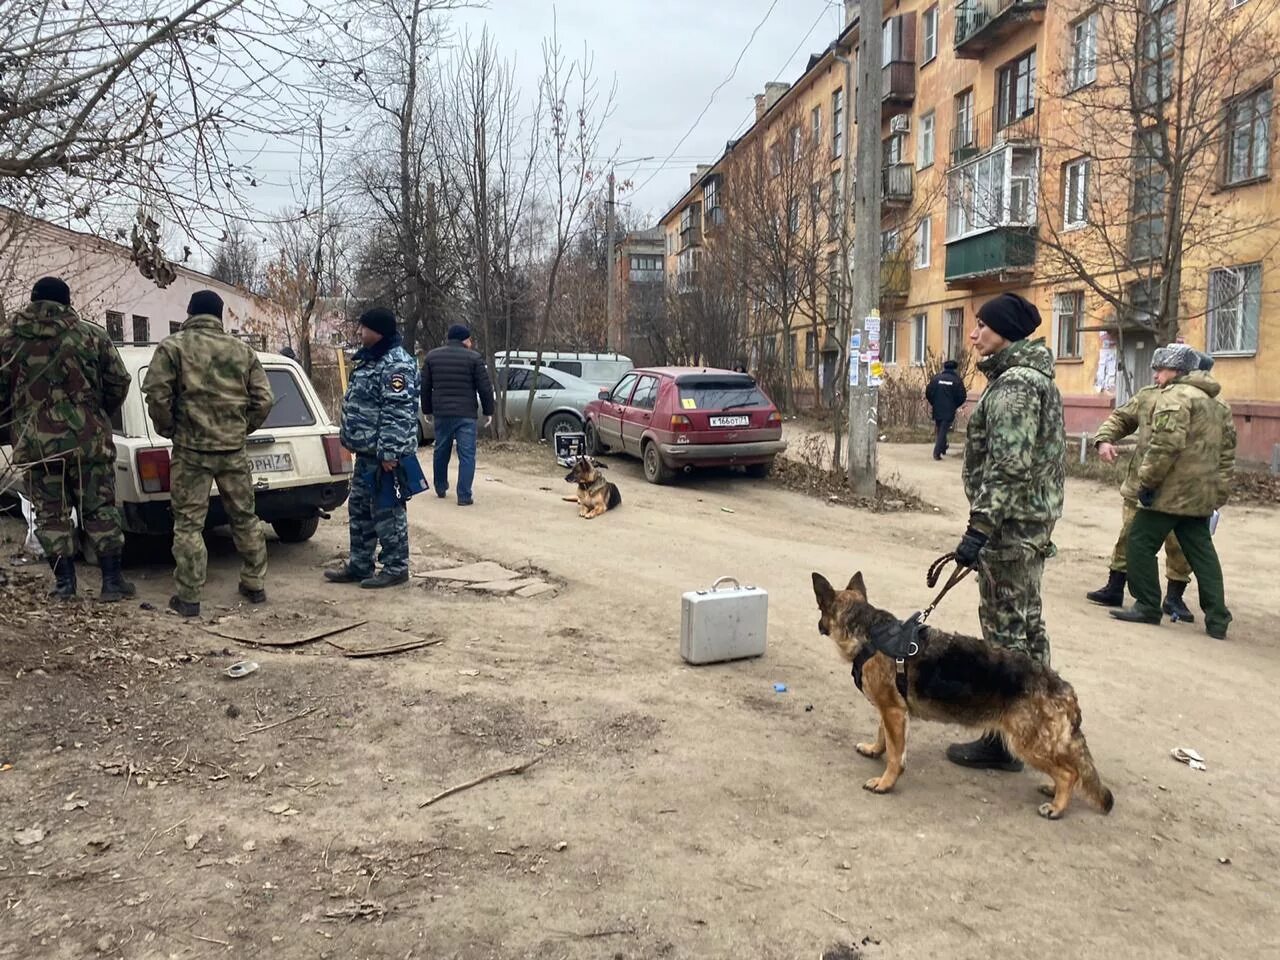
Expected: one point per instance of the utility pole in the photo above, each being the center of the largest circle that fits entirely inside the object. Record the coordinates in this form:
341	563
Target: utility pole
865	302
611	299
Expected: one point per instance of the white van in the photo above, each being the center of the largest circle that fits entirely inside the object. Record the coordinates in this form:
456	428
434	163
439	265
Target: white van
599	369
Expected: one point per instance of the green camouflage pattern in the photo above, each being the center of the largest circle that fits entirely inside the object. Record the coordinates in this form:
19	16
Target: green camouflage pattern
1015	444
1134	416
191	474
89	486
1175	561
1010	569
1189	456
205	389
61	381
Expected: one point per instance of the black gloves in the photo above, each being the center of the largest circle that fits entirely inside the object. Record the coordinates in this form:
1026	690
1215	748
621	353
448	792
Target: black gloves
1146	497
971	545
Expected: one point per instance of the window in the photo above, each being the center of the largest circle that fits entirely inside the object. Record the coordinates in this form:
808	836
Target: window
1235	298
892	149
1144	302
1068	318
174	326
890	243
837	201
775	160
797	144
793	215
571	367
810	350
962	129
953	332
646	395
924	243
713	213
290	408
1155	53
1016	90
1150	196
1075	194
546	382
141	329
815	125
646	268
930	48
1249	137
898	40
919	339
115	326
924	141
516	378
835	288
837	123
1084	52
995	190
889	341
622	391
710	391
816	206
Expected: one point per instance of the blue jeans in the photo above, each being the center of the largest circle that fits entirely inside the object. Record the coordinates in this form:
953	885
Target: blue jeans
451	430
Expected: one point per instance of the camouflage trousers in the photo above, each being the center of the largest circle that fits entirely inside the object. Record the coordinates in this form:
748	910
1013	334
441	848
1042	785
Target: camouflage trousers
190	477
89	486
1175	562
372	525
1012	564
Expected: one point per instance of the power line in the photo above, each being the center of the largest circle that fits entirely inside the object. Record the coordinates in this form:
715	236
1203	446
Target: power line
710	100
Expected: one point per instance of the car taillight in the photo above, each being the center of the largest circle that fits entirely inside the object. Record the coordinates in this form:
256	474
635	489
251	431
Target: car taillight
680	423
775	416
336	454
153	470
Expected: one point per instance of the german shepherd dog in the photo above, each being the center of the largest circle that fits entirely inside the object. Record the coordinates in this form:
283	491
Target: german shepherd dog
965	680
595	493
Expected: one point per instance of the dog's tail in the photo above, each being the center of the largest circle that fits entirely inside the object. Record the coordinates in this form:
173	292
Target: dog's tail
1090	783
615	496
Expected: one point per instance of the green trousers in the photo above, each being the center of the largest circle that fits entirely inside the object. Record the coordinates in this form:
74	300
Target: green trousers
1149	530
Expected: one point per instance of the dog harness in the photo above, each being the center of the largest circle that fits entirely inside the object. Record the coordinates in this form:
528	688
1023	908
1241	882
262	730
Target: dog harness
904	640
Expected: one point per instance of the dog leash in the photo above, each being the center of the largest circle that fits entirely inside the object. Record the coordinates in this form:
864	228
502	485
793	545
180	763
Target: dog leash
935	574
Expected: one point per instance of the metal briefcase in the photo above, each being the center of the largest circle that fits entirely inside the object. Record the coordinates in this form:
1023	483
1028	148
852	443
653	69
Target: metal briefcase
723	624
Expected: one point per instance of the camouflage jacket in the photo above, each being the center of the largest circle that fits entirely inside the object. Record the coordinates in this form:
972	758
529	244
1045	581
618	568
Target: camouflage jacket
380	409
205	389
1190	451
1015	445
61	381
1135	415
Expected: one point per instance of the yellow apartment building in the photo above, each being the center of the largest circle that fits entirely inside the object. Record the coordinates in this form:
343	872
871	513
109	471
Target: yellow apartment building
997	176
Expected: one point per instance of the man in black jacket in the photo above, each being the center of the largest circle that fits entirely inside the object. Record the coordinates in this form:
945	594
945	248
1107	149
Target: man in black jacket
453	376
946	394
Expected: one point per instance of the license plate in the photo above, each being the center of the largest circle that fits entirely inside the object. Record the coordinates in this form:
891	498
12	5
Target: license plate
730	421
272	463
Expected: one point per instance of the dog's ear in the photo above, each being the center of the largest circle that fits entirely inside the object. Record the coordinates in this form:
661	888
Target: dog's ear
857	587
823	590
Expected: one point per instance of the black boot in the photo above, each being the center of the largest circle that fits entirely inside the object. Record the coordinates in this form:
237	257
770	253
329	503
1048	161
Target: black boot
183	608
343	576
1134	615
988	752
114	586
64	574
252	595
1173	605
1112	595
383	579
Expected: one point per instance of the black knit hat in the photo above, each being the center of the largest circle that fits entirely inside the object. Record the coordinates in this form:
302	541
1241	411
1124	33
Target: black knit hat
205	303
52	288
459	331
1010	315
380	320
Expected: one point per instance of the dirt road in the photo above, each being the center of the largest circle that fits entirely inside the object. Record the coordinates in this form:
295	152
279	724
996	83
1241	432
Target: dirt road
676	811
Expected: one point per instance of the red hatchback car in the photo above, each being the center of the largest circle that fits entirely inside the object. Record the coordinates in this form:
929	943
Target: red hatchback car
677	418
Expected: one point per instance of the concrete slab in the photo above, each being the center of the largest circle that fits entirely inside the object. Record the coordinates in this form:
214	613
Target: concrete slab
484	572
503	587
536	590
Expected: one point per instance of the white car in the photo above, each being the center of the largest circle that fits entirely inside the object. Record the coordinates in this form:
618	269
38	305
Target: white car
300	469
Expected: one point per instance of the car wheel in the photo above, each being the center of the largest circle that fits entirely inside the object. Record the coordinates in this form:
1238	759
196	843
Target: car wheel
560	423
297	530
594	447
759	470
655	471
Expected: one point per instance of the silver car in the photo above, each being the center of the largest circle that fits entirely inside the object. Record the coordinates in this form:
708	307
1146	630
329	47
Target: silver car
559	400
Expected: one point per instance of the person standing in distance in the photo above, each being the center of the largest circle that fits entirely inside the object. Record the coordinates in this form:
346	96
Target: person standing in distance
946	394
453	376
380	426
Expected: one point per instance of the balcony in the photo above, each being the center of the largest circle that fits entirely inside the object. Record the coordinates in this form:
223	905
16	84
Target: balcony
982	24
690	236
1003	255
899	87
687	282
897	182
983	134
895	277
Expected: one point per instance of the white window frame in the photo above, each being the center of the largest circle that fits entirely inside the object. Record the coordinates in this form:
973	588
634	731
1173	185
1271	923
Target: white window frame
815	125
1075	194
926	140
919	339
1245	309
1068	307
889	342
953	319
974	181
924	243
1083	69
929	35
810	350
837	123
1254	109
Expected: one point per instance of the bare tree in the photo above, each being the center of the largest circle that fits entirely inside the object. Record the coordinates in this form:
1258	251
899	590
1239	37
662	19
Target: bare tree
235	261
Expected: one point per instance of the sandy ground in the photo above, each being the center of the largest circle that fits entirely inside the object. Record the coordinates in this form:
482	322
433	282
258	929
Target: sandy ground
676	811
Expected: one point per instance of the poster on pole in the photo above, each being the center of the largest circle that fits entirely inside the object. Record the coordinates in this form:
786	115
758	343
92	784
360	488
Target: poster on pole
875	374
855	341
854	368
872	326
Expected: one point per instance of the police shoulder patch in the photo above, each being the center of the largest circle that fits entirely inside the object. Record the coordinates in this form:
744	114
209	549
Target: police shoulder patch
398	382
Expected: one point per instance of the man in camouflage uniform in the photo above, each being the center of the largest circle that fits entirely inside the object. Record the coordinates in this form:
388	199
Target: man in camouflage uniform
1014	473
1183	476
207	391
380	426
61	382
1125	420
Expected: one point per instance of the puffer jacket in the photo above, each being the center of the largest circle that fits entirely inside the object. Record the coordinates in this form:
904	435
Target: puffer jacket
453	376
1015	444
1189	456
